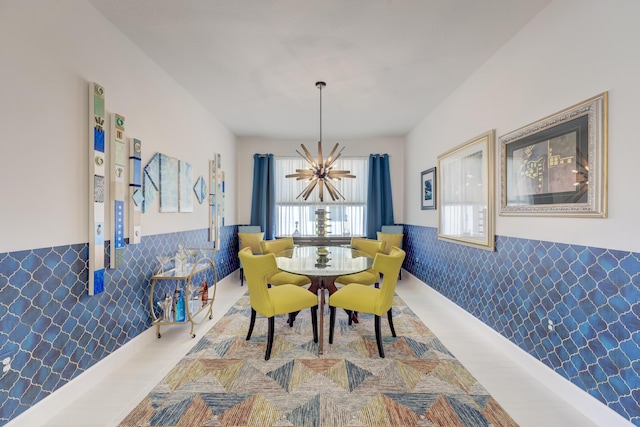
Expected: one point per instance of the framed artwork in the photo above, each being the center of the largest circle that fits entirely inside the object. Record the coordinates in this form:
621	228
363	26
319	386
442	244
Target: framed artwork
428	189
97	168
466	193
557	166
136	196
185	184
117	190
151	181
200	189
168	175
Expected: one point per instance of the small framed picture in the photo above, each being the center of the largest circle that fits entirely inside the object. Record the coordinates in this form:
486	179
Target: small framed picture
428	187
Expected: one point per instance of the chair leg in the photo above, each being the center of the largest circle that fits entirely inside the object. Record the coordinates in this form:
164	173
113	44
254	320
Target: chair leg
292	318
314	322
267	355
350	315
251	323
332	322
241	276
390	317
378	336
354	317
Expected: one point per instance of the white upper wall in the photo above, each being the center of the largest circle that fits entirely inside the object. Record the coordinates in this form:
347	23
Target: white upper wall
49	52
247	147
573	50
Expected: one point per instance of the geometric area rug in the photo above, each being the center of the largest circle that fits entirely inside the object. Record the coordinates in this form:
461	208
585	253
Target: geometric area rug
225	381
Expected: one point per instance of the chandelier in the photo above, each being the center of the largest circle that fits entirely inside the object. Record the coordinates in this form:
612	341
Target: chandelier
320	173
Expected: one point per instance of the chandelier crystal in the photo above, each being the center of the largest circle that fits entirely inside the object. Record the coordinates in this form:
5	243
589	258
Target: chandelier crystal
320	173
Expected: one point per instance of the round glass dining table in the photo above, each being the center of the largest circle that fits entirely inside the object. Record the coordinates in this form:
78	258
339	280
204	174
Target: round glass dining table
323	264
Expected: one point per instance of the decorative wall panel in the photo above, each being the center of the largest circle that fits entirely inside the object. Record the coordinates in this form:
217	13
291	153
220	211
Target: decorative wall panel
200	189
185	182
96	189
136	196
151	181
118	165
216	199
168	184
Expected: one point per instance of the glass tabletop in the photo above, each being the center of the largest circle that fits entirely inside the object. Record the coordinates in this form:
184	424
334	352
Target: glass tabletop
323	260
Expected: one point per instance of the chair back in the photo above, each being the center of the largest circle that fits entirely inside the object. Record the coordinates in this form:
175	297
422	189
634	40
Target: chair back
368	246
276	246
392	235
257	268
389	266
250	236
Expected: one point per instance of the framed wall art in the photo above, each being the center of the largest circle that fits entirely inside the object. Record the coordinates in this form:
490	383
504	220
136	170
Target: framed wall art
96	188
185	184
428	189
169	189
557	166
466	193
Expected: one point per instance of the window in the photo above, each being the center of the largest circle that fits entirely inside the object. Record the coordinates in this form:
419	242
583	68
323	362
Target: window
347	217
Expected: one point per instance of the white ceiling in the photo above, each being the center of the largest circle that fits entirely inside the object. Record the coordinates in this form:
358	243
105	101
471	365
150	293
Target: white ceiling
254	63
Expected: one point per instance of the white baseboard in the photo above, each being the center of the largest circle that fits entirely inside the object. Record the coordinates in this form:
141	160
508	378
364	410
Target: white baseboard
574	395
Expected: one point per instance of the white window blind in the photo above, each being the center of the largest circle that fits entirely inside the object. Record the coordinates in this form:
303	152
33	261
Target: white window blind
347	217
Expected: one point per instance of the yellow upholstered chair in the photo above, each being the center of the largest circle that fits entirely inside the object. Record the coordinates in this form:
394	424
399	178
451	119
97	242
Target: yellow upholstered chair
281	277
249	236
276	300
367	277
368	299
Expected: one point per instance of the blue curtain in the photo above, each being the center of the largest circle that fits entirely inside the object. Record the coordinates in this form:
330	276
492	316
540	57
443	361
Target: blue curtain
263	203
379	199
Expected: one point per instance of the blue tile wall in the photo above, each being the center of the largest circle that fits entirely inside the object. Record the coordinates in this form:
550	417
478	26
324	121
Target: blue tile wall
591	294
54	330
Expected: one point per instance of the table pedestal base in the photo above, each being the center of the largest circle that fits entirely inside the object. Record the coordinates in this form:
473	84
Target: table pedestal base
319	284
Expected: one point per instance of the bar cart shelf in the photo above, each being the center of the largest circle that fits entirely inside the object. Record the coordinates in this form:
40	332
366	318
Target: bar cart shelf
184	280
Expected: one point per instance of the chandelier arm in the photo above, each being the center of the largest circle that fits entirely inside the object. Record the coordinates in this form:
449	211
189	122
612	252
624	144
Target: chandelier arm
335	147
305	158
321	189
333	191
309	156
299	175
337	157
310	188
320	162
307	191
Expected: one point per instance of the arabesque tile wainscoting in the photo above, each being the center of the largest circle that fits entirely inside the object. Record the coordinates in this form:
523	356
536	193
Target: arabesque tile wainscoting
592	296
53	330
